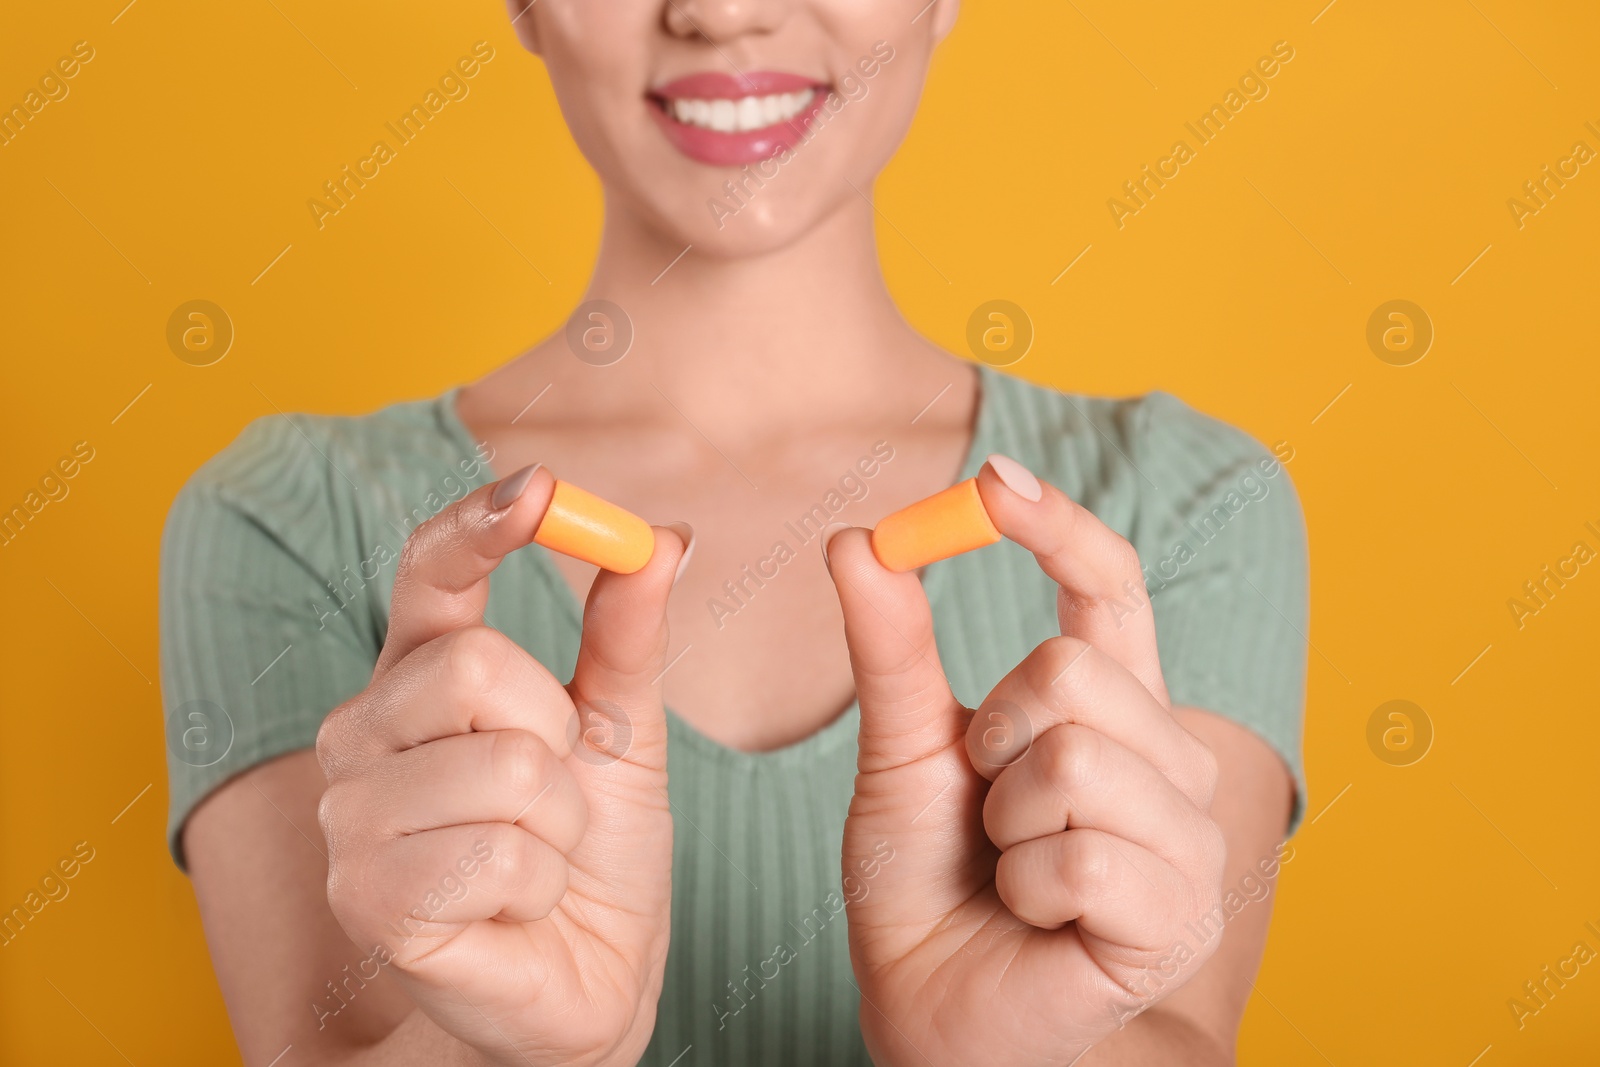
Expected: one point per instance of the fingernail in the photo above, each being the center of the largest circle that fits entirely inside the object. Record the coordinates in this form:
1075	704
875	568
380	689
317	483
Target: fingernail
511	488
828	533
1016	477
686	534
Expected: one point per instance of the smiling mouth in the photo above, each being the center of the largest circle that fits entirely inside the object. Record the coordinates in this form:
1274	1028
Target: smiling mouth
744	115
724	120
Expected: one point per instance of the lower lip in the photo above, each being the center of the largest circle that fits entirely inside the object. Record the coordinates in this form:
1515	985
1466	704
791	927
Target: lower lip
719	149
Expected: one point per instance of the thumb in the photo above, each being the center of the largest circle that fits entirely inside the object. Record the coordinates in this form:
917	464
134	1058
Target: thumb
616	685
907	709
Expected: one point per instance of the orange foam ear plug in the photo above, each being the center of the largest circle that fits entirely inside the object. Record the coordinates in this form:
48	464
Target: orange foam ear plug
946	524
581	525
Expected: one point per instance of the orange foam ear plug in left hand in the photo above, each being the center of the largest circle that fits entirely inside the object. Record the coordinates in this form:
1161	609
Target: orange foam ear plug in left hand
946	524
581	525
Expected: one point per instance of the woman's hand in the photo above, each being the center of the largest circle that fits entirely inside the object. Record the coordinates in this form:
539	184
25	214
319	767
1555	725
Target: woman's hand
504	840
1023	873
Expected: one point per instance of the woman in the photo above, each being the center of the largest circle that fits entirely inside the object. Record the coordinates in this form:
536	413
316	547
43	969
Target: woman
411	843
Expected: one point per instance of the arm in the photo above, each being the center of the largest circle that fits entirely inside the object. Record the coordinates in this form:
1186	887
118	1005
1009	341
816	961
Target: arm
260	871
1061	851
402	895
1200	1022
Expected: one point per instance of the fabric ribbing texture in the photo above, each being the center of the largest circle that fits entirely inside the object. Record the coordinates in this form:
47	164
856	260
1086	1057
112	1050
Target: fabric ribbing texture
284	545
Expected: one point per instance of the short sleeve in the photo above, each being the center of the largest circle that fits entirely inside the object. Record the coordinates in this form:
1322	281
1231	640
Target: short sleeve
258	641
1223	549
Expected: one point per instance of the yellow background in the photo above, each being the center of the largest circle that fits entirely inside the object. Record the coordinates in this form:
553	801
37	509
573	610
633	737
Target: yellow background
1378	168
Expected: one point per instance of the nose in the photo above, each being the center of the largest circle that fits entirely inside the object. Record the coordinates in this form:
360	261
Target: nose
722	20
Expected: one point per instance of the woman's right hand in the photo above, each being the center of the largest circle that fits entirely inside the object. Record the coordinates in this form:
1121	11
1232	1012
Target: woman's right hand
506	839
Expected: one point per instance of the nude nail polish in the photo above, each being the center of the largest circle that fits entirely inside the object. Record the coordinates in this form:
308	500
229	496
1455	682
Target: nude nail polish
828	533
1017	478
686	533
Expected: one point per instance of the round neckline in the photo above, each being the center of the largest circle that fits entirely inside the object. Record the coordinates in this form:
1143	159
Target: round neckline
840	729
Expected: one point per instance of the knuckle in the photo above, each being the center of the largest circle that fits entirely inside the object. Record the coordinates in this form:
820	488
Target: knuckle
474	658
1011	885
1124	557
333	739
1207	768
516	762
1064	667
1205	899
999	734
339	812
1202	883
327	743
1122	585
432	539
352	906
1214	846
1021	890
1084	861
415	550
498	857
520	860
1075	755
328	811
342	901
1065	650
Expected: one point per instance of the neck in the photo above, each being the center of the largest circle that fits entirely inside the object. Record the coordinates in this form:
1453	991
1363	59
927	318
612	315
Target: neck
803	333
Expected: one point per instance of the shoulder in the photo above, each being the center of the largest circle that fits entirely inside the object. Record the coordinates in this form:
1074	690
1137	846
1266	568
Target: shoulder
303	448
1219	532
304	481
1154	425
1136	460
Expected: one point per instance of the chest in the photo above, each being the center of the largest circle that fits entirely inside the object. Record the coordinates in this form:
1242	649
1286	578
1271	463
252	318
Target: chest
755	619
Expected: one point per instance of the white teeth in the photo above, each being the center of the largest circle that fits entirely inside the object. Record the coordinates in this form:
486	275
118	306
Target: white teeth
750	114
742	115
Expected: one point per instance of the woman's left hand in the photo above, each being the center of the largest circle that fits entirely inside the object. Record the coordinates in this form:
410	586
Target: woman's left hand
1024	878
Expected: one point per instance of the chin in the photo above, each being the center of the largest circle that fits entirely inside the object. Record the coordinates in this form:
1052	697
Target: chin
768	220
743	166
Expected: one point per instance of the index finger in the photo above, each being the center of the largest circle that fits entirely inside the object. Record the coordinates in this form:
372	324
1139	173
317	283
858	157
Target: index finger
1103	599
442	583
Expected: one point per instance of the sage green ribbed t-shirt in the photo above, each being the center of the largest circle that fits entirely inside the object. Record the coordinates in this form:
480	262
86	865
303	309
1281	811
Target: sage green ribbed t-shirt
278	562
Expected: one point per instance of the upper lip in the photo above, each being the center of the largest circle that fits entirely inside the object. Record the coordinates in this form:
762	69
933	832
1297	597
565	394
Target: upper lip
715	85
